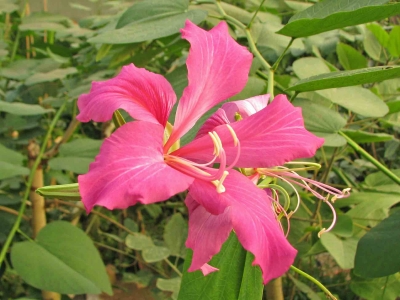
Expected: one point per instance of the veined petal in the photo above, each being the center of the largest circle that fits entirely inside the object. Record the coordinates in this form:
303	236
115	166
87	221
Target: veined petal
217	69
130	168
270	137
250	214
207	233
146	96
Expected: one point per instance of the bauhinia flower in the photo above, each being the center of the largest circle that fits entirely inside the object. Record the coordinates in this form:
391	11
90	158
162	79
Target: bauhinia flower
239	110
137	165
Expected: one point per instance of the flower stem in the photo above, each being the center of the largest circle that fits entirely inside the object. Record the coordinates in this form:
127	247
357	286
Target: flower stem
17	222
270	89
369	157
276	64
255	14
315	281
274	289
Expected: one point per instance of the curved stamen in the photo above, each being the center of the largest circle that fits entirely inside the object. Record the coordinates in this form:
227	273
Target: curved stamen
291	185
323	230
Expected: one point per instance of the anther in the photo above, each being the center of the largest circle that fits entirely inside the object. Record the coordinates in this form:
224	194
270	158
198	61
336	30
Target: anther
217	147
234	136
219	183
321	232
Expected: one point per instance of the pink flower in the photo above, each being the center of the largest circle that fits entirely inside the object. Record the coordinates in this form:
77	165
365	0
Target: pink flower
134	165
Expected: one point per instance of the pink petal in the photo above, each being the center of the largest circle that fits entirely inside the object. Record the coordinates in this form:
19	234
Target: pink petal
270	137
146	96
207	233
217	69
130	169
251	215
246	107
207	269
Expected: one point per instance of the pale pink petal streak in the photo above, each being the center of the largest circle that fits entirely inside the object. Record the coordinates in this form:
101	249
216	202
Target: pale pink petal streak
217	69
130	168
245	107
146	96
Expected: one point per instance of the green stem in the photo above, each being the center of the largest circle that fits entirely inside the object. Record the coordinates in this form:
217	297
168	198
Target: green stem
229	18
15	227
255	14
15	46
370	158
255	51
315	281
270	89
276	64
173	267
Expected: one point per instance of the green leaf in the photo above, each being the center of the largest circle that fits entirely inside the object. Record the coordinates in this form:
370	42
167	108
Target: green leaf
381	35
373	48
22	109
334	14
7	6
81	147
367	137
305	289
377	251
356	99
151	10
386	288
79	165
236	278
322	121
138	241
65	252
148	20
343	226
342	250
379	182
8	170
50	76
41	26
155	253
10	156
175	234
346	78
394	42
169	285
350	58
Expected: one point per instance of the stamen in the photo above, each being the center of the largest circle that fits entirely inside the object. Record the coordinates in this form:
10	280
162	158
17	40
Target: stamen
323	230
233	133
220	187
215	142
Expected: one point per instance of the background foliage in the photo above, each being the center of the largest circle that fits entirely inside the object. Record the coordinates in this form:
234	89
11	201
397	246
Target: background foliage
48	60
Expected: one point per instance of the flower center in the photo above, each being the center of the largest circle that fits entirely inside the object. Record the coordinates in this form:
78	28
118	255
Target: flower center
205	171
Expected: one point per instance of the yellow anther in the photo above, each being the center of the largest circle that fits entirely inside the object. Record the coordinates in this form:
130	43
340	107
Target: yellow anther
217	148
219	183
234	136
220	187
321	232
